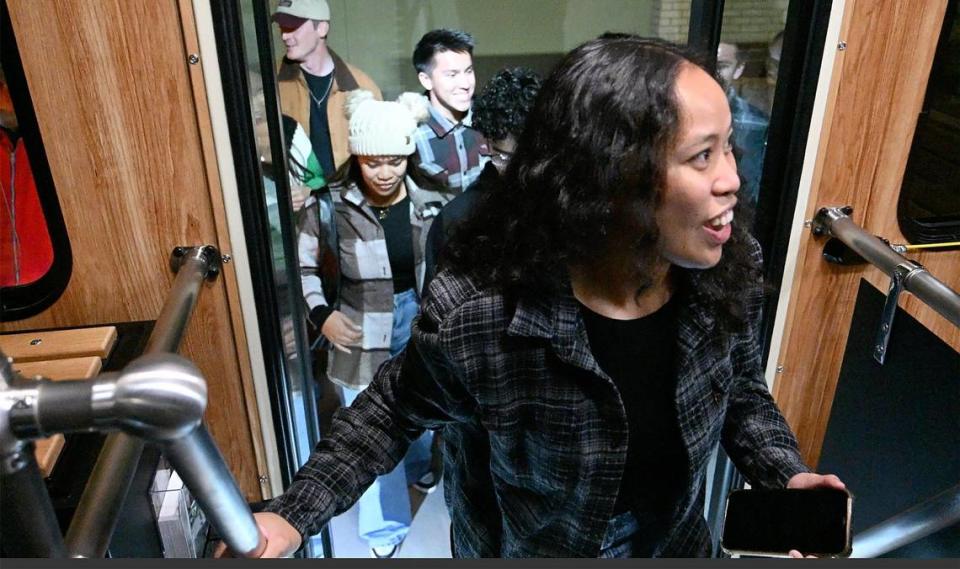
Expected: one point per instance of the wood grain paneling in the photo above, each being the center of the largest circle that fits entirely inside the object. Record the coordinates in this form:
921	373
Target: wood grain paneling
878	90
58	344
115	104
69	368
192	44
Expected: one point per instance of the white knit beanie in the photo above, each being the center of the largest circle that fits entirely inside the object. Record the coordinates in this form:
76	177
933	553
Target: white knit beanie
384	128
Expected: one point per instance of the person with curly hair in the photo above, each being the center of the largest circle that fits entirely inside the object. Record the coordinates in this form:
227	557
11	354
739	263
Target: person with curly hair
593	335
499	113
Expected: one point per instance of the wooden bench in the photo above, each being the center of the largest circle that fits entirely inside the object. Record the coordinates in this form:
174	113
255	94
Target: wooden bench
57	355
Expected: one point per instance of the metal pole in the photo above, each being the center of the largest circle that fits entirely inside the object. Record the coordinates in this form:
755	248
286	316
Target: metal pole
193	266
30	527
28	523
96	515
837	223
103	497
928	517
198	461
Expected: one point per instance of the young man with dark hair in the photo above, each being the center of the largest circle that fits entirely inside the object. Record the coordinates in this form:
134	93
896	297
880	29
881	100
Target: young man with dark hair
450	152
499	115
314	81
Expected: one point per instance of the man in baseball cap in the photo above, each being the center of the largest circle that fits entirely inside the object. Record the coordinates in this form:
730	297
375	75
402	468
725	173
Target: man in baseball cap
313	80
293	13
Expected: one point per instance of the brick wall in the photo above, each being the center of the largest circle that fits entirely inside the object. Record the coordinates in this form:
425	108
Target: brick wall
671	19
744	21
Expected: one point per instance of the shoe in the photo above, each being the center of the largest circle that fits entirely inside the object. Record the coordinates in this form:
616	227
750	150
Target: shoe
427	483
384	551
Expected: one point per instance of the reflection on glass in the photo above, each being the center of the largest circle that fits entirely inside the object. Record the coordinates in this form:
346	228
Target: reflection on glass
748	60
300	392
929	206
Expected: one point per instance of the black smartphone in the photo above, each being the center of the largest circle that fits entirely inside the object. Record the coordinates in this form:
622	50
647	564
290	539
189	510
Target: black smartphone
772	522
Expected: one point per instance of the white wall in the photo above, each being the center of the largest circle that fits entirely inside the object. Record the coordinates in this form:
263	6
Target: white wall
379	35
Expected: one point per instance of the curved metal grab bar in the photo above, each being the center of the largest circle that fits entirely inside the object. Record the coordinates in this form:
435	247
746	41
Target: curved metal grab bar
918	522
159	397
96	516
836	222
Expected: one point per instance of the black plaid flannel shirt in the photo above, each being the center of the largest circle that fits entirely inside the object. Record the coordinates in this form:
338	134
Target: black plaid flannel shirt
535	434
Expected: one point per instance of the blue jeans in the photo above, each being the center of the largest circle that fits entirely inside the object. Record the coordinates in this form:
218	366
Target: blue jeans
385	507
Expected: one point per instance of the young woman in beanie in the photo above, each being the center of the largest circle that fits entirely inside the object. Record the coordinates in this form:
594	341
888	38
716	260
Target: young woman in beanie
381	216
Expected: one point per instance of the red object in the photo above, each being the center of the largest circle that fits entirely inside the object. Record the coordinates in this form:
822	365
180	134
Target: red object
26	253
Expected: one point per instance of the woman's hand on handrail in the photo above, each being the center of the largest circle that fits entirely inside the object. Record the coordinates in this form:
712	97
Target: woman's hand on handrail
342	332
281	538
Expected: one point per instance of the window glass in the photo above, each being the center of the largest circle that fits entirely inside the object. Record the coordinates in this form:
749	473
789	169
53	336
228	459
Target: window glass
929	206
303	421
748	59
532	33
378	35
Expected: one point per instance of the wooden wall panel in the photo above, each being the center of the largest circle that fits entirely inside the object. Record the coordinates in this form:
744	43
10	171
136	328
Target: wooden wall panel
192	45
877	93
115	105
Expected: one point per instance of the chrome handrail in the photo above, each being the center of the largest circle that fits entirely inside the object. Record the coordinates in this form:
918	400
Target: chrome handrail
101	502
158	397
193	266
34	532
926	518
836	222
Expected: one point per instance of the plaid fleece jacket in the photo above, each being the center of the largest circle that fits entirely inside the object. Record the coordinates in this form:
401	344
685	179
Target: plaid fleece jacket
365	292
535	434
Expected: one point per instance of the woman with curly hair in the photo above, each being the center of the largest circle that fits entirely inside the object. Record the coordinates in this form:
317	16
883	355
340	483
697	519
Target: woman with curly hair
591	337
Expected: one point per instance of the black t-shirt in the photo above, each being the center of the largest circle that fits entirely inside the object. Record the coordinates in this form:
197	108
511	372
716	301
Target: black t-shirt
640	357
398	232
320	88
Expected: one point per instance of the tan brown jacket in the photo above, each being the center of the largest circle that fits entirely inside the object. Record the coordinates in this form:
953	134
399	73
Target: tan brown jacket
295	100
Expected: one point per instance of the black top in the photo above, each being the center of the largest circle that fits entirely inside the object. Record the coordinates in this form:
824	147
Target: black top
395	220
320	88
452	215
640	357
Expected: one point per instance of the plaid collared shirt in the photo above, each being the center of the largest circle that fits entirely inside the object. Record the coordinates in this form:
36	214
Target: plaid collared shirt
535	434
451	154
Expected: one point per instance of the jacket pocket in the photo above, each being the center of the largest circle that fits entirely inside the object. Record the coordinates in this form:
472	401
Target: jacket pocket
377	330
538	448
364	260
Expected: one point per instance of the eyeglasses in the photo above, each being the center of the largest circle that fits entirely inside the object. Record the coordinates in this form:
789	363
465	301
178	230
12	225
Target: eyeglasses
500	157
